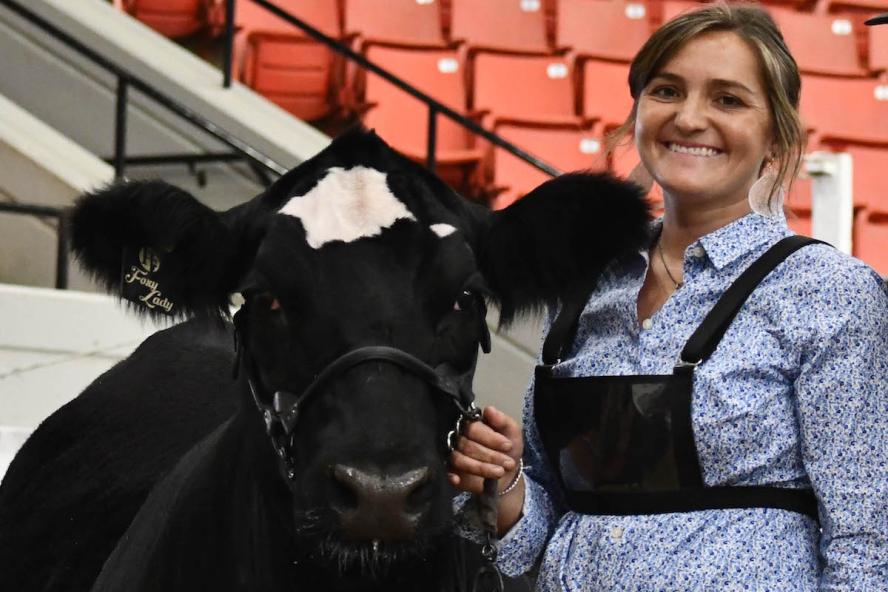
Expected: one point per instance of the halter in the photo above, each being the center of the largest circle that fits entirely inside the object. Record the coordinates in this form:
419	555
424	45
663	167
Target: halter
283	414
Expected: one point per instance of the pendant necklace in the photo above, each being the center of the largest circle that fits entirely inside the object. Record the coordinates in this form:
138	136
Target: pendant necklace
675	282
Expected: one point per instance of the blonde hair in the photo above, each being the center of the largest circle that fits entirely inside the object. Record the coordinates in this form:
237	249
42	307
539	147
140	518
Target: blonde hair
778	69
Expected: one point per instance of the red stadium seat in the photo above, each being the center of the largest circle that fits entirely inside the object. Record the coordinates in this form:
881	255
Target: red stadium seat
500	25
878	49
403	120
871	239
820	43
867	6
605	92
669	9
279	61
612	30
870	189
403	22
797	206
623	161
171	18
850	110
566	148
249	16
547	92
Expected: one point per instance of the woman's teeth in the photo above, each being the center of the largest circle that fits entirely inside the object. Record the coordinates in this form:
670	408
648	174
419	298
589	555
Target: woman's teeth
696	151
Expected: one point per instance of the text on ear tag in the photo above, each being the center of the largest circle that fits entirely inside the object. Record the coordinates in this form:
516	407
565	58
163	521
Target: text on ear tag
142	278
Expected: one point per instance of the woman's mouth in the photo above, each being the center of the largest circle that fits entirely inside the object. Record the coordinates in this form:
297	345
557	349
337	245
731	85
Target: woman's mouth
704	151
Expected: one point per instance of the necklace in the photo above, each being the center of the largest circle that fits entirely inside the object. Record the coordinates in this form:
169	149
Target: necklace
677	283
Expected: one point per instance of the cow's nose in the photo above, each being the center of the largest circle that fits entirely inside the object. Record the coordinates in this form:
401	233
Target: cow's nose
380	507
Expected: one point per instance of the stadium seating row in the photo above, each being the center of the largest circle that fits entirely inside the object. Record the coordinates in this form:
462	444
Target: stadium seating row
550	76
607	29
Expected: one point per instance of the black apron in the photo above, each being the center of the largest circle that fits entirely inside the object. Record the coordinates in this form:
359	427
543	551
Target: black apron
624	445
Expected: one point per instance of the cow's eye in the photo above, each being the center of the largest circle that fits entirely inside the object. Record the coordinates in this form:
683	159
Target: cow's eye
266	301
464	301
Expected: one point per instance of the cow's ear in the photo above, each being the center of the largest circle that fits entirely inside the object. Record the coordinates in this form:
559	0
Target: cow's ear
560	237
159	248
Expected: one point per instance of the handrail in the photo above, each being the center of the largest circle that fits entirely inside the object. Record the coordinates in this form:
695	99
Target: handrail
62	233
126	79
435	106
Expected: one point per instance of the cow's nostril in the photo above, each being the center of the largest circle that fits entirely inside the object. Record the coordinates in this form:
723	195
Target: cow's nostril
343	496
386	507
419	497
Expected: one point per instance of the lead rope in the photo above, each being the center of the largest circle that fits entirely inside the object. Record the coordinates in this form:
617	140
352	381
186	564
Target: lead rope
488	578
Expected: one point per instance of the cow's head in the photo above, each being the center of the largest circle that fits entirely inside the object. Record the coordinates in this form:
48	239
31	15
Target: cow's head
358	247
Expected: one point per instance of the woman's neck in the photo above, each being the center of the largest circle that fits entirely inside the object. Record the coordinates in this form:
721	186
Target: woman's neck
683	224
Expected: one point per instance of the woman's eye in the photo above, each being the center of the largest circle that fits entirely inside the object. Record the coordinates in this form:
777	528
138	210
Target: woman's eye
665	92
464	301
730	101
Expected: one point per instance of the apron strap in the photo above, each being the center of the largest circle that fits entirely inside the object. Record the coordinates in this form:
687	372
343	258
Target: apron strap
564	327
708	335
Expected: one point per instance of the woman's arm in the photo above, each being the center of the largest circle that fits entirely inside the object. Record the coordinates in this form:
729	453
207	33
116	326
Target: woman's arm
842	397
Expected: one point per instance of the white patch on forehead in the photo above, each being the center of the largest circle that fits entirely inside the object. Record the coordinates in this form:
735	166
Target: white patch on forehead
346	205
443	230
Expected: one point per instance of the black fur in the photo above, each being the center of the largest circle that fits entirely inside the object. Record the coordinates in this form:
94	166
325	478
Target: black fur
560	235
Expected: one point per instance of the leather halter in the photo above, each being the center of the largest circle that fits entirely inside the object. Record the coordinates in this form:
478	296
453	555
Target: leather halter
282	415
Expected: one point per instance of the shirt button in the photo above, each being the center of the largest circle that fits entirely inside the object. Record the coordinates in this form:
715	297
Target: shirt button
616	534
698	251
647	324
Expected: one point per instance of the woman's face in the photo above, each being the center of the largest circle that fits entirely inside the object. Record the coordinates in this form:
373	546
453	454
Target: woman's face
703	125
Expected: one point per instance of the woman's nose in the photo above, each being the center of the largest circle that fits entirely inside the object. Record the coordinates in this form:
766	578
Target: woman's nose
690	117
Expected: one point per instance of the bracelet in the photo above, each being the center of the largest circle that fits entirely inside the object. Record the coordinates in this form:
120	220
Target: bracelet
515	479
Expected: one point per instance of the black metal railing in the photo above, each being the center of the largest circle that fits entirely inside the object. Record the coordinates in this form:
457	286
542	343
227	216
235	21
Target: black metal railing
63	241
260	164
435	107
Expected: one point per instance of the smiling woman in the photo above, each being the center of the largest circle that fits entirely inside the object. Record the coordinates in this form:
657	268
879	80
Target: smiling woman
710	414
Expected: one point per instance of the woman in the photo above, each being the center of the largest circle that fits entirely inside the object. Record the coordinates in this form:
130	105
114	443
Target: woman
779	480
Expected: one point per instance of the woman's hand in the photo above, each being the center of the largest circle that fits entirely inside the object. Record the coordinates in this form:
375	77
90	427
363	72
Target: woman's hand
491	449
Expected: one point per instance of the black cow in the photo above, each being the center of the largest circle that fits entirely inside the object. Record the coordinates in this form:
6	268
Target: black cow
169	474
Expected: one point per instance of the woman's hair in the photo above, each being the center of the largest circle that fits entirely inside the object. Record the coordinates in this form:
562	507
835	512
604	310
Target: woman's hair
778	68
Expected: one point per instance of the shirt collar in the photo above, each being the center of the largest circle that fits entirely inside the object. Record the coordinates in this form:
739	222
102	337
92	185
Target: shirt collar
744	235
730	242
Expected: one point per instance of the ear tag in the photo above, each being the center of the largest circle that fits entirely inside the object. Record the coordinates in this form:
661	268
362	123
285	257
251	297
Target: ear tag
286	405
144	281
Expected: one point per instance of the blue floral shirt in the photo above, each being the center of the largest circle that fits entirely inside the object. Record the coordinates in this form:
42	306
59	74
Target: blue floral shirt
796	395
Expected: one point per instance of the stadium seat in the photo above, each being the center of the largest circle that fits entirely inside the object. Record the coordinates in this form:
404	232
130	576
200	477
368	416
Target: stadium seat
402	120
871	239
171	18
878	50
821	43
279	61
402	22
870	188
249	16
797	207
866	6
546	95
567	148
667	10
611	30
605	92
623	161
500	25
851	110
